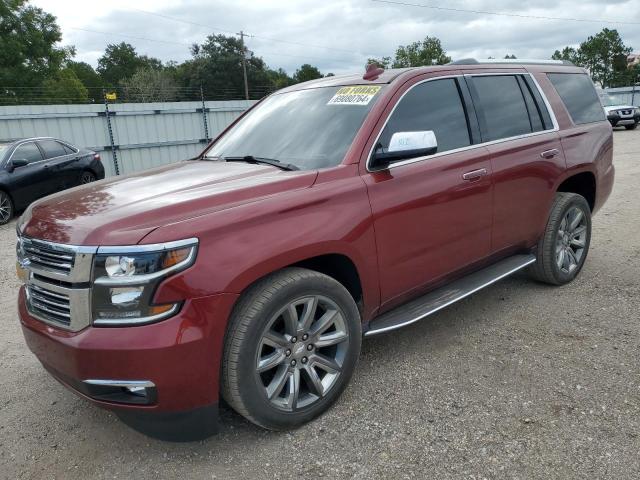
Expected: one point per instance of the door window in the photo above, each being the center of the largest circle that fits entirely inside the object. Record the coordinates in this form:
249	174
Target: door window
434	105
503	107
28	151
52	148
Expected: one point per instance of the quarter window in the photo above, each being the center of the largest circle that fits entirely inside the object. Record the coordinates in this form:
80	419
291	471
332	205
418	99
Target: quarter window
435	105
503	109
579	96
27	151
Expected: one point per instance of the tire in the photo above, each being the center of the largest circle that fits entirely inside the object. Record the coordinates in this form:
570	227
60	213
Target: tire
631	127
258	336
87	177
6	208
555	264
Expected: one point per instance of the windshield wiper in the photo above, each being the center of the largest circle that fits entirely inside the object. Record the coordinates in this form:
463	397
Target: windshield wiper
265	161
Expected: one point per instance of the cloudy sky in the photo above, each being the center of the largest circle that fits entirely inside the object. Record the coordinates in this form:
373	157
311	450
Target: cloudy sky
339	35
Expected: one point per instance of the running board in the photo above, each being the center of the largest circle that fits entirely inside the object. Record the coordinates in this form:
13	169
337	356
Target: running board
444	296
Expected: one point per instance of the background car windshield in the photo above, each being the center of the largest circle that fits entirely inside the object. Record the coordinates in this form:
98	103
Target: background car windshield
300	128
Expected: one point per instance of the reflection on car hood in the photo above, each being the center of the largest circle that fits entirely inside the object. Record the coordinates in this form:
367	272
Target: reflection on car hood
122	210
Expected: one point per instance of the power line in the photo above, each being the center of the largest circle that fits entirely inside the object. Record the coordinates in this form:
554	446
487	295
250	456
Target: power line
269	39
505	14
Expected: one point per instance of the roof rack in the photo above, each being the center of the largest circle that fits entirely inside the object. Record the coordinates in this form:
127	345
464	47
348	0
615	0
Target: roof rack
516	61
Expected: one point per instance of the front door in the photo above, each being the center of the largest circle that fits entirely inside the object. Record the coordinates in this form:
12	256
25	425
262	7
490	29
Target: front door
31	181
432	215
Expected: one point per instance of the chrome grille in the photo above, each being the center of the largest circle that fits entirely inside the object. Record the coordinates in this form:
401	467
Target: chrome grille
54	306
48	256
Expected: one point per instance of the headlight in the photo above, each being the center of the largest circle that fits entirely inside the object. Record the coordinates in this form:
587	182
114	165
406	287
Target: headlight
125	280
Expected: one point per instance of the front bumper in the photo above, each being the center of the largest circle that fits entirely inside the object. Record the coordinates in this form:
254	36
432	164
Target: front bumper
180	356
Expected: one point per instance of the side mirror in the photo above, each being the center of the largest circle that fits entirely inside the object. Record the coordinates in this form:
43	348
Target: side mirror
17	162
406	145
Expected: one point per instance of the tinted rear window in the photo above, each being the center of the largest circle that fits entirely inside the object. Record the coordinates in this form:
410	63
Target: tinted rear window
503	106
52	148
579	96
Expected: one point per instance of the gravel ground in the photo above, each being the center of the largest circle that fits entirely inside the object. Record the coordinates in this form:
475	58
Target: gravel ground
520	380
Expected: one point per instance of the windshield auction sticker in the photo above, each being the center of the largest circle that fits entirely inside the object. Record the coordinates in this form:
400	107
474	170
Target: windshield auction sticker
356	95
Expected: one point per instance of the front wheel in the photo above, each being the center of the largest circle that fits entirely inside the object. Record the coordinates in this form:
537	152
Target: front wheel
563	249
631	127
291	347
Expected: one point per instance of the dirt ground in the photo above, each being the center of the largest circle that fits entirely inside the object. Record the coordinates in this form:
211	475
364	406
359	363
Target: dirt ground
520	380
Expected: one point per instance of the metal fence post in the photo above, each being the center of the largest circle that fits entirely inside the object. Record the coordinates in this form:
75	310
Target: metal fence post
204	115
110	130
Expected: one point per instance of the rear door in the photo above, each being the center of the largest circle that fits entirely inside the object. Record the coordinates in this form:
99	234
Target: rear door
432	215
64	167
29	182
526	155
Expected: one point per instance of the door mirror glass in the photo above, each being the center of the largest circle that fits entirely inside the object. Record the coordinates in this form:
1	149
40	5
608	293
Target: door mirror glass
406	145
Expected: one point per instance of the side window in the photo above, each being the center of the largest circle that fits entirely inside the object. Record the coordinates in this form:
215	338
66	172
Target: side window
28	151
503	105
52	148
534	114
579	96
435	105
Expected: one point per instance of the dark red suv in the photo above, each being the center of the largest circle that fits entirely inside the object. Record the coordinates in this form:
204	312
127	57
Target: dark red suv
331	210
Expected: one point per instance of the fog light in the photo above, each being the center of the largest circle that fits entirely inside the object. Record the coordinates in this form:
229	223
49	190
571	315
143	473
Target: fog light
126	297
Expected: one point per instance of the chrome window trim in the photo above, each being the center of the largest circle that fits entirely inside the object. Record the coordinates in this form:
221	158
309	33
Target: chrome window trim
39	139
470	147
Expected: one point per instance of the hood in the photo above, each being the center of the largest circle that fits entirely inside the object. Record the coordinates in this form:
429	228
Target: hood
122	210
611	108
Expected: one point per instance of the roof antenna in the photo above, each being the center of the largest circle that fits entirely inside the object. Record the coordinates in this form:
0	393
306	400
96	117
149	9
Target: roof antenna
373	71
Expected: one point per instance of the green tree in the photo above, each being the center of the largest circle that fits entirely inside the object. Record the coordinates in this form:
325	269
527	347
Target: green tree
305	73
604	55
279	78
64	87
121	61
384	62
89	78
567	53
217	66
29	51
150	85
426	52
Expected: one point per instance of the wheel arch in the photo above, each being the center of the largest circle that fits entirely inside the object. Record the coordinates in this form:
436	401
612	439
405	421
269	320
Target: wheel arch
583	183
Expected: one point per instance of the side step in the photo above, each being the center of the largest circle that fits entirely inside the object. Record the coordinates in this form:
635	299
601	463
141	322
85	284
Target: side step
444	296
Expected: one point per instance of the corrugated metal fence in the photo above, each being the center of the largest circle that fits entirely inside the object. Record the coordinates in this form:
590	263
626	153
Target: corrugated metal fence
625	95
143	135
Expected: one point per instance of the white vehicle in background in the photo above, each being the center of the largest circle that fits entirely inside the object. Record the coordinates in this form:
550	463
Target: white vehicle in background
626	116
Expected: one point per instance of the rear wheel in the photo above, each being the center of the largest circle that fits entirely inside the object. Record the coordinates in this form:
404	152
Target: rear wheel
291	347
6	208
87	177
563	249
631	127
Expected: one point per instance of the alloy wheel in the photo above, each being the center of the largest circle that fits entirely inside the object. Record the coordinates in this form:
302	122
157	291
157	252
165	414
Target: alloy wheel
5	208
571	240
301	352
87	177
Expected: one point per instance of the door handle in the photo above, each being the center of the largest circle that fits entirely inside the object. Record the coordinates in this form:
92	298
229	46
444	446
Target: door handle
550	153
474	174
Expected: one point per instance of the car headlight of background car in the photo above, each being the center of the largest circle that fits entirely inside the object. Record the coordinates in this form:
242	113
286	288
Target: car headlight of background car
124	282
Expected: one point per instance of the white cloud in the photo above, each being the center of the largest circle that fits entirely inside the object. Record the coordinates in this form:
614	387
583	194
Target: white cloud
352	29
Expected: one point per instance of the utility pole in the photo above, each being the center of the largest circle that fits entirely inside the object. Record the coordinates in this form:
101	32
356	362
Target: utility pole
244	65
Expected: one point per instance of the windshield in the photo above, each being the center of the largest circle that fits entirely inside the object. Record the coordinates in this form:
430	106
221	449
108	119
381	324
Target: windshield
608	100
308	129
